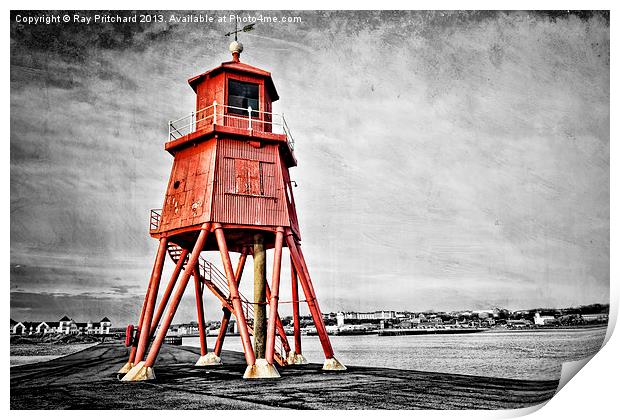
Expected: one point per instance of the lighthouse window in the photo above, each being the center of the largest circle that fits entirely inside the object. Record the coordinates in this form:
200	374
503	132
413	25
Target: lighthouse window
242	95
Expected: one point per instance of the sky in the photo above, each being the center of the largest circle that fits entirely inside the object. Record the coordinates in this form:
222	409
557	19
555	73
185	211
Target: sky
446	160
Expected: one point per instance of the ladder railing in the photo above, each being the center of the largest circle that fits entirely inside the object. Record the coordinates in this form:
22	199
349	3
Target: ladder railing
155	219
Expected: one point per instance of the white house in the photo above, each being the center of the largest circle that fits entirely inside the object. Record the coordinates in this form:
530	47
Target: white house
189	329
543	320
17	327
101	327
31	327
43	327
340	319
67	326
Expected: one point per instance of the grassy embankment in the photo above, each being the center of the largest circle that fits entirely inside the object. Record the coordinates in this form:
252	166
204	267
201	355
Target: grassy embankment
41	348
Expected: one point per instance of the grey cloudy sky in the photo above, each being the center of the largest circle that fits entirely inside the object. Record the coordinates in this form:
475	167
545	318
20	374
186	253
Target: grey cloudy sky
446	160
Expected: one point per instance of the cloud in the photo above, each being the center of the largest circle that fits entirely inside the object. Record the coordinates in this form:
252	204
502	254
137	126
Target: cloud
445	158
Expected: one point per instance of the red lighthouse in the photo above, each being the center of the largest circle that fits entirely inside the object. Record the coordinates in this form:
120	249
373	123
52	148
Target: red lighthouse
230	192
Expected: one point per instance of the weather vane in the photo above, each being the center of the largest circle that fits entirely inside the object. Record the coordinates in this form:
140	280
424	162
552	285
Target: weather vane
246	28
237	47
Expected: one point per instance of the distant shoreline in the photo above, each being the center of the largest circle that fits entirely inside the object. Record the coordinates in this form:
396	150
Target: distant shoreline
565	328
455	331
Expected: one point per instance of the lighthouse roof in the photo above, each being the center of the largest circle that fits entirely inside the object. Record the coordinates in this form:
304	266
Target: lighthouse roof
238	67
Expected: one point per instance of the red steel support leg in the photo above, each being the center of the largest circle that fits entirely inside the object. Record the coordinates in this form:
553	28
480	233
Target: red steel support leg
226	317
144	371
168	292
304	278
273	300
314	310
200	312
234	296
295	293
145	327
296	358
134	345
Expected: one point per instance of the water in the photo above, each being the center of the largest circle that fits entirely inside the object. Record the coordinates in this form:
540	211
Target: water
505	354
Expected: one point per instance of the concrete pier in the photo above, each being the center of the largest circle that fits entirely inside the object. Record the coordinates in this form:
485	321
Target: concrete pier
88	380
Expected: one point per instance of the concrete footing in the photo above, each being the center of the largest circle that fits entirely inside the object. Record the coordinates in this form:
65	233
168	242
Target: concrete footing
333	364
209	359
139	373
126	368
261	370
296	359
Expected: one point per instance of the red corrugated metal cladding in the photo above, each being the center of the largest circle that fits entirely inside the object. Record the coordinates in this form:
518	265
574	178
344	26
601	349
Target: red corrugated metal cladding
190	189
249	187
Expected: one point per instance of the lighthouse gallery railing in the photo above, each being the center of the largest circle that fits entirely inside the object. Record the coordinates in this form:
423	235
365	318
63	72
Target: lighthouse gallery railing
230	116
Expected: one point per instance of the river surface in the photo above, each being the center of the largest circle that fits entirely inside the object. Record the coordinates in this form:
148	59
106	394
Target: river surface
505	354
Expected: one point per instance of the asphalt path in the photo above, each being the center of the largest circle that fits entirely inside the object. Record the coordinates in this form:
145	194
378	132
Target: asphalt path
88	380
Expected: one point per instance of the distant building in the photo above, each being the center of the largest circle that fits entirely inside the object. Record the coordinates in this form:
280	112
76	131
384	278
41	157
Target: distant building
330	316
332	329
431	320
595	317
188	329
67	326
17	327
31	327
374	316
64	326
487	322
42	328
544	319
52	326
385	315
365	315
340	319
102	327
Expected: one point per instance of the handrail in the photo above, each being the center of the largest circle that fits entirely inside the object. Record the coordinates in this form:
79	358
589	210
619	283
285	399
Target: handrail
155	219
250	119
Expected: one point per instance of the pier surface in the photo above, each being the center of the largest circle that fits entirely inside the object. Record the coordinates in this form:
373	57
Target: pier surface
88	380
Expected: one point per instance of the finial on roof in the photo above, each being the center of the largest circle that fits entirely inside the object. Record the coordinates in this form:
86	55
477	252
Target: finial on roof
235	48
